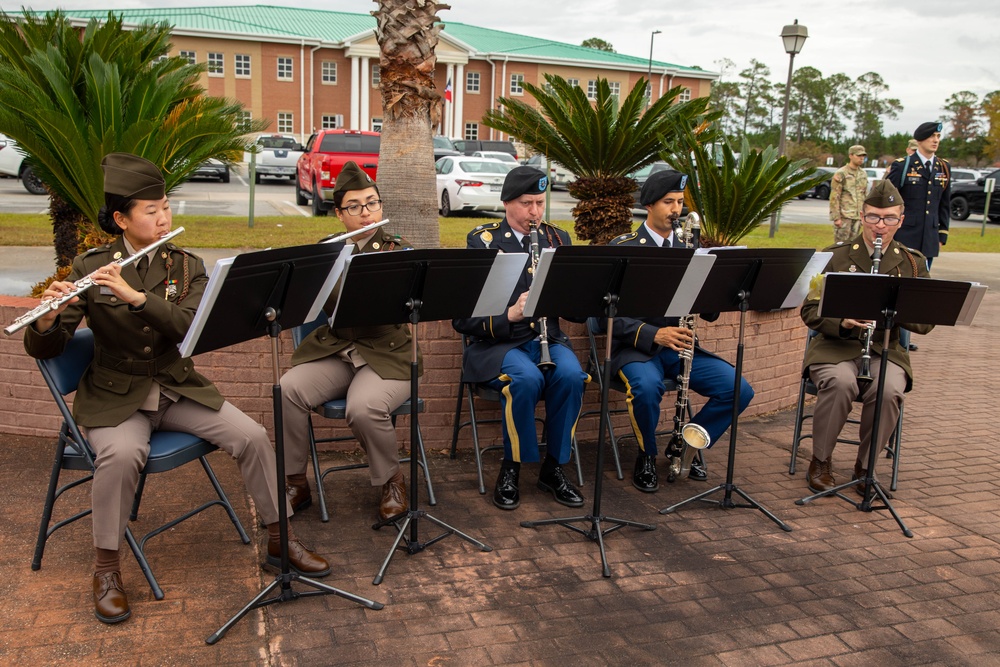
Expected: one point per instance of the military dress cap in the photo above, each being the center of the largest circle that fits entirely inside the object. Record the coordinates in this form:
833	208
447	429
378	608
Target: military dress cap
925	130
131	176
659	184
857	149
883	195
352	177
523	181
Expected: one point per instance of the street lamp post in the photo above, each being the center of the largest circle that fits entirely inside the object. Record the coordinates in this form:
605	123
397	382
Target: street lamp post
649	71
793	36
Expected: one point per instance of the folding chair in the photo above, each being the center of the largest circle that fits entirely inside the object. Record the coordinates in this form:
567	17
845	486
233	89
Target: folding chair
486	393
337	409
167	450
806	386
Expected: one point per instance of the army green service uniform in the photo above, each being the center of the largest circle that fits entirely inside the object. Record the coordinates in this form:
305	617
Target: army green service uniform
847	195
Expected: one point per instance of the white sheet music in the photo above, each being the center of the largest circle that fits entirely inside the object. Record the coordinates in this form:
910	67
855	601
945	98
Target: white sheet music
506	269
799	290
538	279
219	273
694	277
330	282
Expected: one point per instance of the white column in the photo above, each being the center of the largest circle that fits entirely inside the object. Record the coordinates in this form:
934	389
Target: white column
458	94
355	84
366	94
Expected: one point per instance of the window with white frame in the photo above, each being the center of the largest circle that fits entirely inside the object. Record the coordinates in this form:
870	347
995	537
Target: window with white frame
376	76
243	65
328	72
333	121
471	131
285	71
243	120
216	64
515	84
472	82
685	95
592	89
189	56
286	122
616	88
376	124
573	82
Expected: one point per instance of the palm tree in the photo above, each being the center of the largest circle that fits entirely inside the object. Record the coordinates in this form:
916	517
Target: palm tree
601	141
407	33
70	97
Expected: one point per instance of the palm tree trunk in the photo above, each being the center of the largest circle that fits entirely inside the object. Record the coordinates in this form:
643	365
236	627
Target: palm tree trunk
407	34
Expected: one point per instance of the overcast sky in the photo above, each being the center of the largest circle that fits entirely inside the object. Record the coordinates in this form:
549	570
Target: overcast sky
925	50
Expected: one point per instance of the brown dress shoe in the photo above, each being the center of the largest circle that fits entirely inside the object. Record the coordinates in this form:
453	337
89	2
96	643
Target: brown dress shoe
299	495
300	559
820	475
861	473
393	497
110	601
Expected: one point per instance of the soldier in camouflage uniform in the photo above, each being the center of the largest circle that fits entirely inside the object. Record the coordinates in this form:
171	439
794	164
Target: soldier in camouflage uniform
847	194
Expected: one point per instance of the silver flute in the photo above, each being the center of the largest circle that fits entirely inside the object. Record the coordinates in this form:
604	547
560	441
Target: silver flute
366	228
81	286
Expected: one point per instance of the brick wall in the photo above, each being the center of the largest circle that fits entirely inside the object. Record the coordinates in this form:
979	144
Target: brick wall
772	358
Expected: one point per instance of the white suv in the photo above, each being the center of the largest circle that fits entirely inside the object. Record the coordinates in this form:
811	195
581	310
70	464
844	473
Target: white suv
12	164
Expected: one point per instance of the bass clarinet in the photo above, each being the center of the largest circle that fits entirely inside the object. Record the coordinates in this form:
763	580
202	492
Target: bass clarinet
687	437
865	372
544	358
81	286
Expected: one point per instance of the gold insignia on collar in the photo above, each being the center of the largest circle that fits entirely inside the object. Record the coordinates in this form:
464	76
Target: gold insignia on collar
375	245
853	269
118	255
855	246
506	235
163	255
896	250
642	240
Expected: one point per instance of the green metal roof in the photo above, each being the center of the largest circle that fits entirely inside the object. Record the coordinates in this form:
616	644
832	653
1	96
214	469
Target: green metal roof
330	27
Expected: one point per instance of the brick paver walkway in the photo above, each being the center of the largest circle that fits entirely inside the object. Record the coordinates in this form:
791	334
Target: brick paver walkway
707	587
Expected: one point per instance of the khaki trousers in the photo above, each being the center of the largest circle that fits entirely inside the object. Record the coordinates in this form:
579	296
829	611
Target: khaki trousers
838	387
121	453
370	400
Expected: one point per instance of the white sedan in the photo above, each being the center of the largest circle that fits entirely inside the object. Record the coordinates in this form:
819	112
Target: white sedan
470	183
498	155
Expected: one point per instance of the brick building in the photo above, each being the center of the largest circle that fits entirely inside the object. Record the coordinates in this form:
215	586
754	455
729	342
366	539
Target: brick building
306	69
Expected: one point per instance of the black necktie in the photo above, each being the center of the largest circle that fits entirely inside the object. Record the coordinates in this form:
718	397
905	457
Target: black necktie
928	165
526	243
142	266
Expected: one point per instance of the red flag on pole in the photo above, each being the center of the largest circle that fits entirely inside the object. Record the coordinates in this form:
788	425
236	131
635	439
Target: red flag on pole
447	91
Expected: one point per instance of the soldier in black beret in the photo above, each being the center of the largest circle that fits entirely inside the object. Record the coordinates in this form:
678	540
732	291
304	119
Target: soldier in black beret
504	352
833	358
138	381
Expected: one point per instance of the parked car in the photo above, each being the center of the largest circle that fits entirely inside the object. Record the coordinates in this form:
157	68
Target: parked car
559	175
278	154
212	168
470	146
470	184
444	146
12	164
498	155
325	155
821	191
968	197
875	173
960	174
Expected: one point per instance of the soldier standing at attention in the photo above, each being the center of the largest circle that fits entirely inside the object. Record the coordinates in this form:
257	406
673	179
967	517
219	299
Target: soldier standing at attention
847	194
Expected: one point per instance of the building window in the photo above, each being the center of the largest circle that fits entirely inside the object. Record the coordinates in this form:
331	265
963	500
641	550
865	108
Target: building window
616	88
189	56
472	82
573	82
549	88
329	72
376	76
333	121
216	64
285	72
286	122
471	131
376	124
242	65
685	95
592	89
515	84
243	120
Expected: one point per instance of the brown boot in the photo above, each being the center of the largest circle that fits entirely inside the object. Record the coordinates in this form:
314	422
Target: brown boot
820	475
393	497
300	559
861	473
110	601
298	493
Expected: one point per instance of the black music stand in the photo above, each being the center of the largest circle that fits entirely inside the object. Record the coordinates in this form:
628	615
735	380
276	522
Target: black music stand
744	279
430	284
890	300
259	294
580	282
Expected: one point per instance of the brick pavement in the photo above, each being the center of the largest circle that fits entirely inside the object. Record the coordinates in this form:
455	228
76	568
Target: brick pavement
707	587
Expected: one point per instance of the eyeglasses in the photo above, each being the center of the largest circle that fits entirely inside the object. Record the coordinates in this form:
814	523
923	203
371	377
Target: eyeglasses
889	220
355	209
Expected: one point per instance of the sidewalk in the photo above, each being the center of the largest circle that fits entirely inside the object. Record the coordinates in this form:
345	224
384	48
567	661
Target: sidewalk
706	587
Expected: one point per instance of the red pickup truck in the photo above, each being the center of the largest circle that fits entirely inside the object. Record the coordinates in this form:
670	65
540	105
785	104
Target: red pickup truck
326	153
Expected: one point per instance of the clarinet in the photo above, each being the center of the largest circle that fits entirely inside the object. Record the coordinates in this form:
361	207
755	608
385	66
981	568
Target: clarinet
544	359
81	286
865	373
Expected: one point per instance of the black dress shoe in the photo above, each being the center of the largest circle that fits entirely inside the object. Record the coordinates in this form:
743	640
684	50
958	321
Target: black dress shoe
644	475
913	347
699	469
554	481
505	493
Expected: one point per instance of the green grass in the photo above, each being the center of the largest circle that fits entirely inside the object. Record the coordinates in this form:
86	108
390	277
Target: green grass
283	231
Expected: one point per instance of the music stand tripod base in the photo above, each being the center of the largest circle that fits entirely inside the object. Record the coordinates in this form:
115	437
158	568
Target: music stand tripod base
596	532
872	489
411	546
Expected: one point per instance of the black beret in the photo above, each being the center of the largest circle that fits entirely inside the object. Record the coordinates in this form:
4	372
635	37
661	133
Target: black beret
659	184
883	195
352	177
131	176
523	181
924	130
